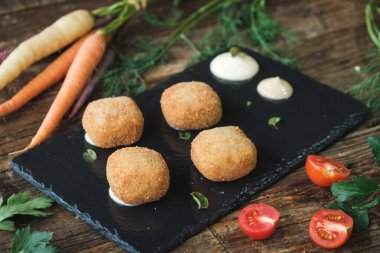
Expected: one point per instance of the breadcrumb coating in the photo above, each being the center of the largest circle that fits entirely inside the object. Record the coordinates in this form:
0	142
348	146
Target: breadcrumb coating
223	153
137	175
113	122
191	106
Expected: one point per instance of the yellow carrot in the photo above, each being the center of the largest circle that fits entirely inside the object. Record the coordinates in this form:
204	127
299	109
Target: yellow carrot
49	76
58	35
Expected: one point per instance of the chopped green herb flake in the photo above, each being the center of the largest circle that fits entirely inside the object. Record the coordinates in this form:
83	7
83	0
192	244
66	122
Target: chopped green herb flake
200	199
89	156
184	136
274	121
374	143
248	103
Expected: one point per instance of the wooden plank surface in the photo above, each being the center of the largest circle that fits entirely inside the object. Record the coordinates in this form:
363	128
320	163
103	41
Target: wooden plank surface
332	41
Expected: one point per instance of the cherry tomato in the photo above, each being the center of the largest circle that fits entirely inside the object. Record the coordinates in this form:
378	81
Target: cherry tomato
258	221
330	229
325	172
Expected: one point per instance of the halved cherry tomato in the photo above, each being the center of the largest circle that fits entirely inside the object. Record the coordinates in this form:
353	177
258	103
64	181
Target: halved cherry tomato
325	172
330	229
258	221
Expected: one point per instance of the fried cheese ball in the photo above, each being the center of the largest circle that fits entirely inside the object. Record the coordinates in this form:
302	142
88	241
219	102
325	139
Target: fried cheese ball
223	153
113	122
191	106
137	175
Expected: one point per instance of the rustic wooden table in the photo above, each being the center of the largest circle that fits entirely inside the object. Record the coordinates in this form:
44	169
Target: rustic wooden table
333	40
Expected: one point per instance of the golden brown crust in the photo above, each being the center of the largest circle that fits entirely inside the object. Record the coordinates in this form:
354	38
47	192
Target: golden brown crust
223	153
112	122
137	175
191	106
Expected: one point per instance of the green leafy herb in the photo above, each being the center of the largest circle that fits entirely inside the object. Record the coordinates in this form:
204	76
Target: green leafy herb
89	156
248	103
200	199
374	143
274	121
355	197
26	241
357	189
184	136
21	203
368	89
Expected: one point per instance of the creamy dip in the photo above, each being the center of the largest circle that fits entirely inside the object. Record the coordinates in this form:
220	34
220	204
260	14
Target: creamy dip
88	140
117	200
275	88
234	67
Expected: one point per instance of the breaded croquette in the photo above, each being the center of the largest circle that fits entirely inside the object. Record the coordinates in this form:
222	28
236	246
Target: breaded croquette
137	175
223	153
112	122
191	106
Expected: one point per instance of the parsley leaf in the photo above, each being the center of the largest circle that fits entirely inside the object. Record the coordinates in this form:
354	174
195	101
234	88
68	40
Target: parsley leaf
374	143
90	156
21	203
184	136
200	199
360	217
27	242
358	189
274	121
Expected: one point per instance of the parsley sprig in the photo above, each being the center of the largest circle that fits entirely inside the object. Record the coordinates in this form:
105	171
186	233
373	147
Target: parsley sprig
21	203
26	241
355	197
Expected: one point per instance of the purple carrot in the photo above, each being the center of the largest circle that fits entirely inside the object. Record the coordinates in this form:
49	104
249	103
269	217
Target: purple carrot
106	61
4	54
103	21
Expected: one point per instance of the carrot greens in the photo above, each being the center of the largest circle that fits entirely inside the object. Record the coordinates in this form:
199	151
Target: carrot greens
238	22
368	89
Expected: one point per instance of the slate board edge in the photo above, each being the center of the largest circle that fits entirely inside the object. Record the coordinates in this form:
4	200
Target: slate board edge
350	123
73	209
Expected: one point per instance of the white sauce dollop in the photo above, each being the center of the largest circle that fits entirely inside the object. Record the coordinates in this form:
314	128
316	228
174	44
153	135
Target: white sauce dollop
237	68
89	141
117	200
275	88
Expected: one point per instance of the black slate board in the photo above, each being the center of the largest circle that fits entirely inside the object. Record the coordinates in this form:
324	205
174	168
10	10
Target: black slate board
313	118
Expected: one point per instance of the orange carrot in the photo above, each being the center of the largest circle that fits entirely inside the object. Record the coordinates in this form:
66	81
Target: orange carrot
88	56
52	74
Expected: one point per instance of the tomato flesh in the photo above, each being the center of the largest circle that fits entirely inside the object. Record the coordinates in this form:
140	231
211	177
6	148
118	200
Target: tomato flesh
324	172
330	229
258	221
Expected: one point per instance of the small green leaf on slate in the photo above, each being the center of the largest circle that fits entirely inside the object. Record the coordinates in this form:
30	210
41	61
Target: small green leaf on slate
274	121
234	51
184	136
200	199
89	156
26	241
374	143
248	103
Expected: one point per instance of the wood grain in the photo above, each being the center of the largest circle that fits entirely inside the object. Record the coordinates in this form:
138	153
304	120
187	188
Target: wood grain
332	40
